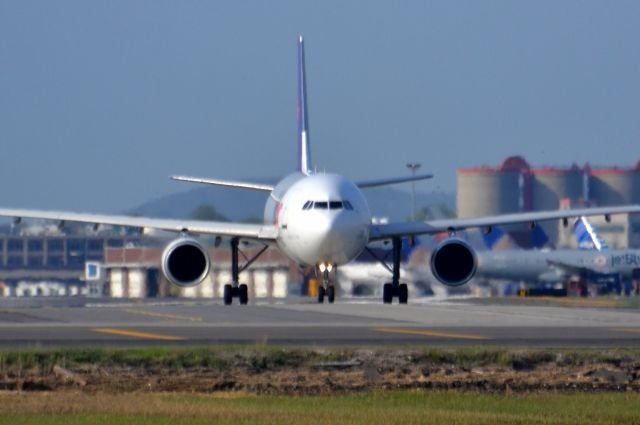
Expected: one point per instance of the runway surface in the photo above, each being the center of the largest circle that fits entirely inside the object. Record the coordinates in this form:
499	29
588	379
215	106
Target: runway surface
348	322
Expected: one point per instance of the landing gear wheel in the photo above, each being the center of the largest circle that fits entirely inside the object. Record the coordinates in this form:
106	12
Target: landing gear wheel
403	293
387	293
243	294
228	294
321	295
331	294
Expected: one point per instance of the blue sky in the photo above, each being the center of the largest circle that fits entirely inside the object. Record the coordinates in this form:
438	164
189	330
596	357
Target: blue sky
101	101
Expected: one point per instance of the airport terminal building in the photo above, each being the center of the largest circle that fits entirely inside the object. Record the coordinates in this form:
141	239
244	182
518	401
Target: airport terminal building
123	266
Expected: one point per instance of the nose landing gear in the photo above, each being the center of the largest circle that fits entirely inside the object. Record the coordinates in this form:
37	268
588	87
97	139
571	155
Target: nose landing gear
328	288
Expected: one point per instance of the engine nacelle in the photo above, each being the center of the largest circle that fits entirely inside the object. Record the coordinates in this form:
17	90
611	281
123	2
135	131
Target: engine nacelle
453	262
185	262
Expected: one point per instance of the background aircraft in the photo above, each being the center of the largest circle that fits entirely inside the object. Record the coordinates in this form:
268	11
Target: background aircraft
318	220
591	261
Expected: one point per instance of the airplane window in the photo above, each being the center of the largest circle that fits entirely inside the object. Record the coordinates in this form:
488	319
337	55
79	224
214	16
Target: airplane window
335	205
307	205
321	205
348	206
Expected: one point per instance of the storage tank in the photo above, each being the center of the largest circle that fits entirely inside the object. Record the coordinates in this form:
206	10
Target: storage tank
614	186
487	191
549	186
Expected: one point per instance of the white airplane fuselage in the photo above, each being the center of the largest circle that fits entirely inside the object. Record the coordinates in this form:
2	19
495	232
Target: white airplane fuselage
320	218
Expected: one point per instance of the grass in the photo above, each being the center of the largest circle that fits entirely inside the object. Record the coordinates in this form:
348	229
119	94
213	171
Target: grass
175	358
389	407
262	357
527	358
395	407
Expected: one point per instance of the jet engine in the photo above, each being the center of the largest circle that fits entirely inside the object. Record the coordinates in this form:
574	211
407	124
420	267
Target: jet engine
185	262
453	262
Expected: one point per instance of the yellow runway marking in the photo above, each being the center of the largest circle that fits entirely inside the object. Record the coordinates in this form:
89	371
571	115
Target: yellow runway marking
137	334
632	330
424	332
163	315
582	302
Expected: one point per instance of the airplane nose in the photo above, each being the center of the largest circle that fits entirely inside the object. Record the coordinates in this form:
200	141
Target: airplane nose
329	227
334	235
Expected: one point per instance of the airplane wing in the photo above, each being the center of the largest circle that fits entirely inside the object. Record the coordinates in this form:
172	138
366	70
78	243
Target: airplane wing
393	180
227	183
262	232
391	230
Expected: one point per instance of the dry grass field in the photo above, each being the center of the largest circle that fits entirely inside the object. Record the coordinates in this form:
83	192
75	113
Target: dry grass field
280	385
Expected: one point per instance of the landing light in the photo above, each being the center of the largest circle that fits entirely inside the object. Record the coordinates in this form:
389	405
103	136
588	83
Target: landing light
324	266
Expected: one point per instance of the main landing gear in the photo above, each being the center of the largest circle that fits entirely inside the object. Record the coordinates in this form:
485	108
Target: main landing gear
327	288
394	288
235	289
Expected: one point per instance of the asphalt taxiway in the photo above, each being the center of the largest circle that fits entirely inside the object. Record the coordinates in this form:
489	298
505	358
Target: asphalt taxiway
349	322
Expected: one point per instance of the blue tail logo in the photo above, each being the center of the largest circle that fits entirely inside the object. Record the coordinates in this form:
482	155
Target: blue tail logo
587	236
497	238
539	238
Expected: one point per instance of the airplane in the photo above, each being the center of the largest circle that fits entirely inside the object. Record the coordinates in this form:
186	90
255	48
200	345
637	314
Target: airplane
319	220
592	260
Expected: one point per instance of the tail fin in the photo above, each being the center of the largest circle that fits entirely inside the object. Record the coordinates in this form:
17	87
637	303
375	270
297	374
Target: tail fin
497	239
539	238
304	155
587	236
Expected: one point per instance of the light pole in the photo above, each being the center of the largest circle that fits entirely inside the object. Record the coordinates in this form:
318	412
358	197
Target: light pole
413	166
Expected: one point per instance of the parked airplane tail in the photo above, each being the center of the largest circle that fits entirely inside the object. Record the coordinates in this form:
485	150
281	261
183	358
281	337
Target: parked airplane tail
539	238
497	238
304	154
587	236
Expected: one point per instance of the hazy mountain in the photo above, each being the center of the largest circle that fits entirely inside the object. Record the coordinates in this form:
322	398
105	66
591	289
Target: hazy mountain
238	204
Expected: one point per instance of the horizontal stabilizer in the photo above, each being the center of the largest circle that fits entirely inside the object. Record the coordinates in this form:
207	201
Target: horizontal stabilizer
227	183
394	180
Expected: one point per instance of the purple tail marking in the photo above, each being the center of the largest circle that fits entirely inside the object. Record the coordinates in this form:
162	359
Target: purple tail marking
304	155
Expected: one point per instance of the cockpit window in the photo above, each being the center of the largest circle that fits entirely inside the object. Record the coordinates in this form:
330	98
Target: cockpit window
332	205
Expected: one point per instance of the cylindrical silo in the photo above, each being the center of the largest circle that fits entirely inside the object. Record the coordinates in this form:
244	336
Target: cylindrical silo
549	186
614	186
487	191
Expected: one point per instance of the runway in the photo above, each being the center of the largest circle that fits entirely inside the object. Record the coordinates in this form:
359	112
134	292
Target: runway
349	322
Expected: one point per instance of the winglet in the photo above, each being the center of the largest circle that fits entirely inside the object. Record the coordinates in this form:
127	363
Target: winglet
304	155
